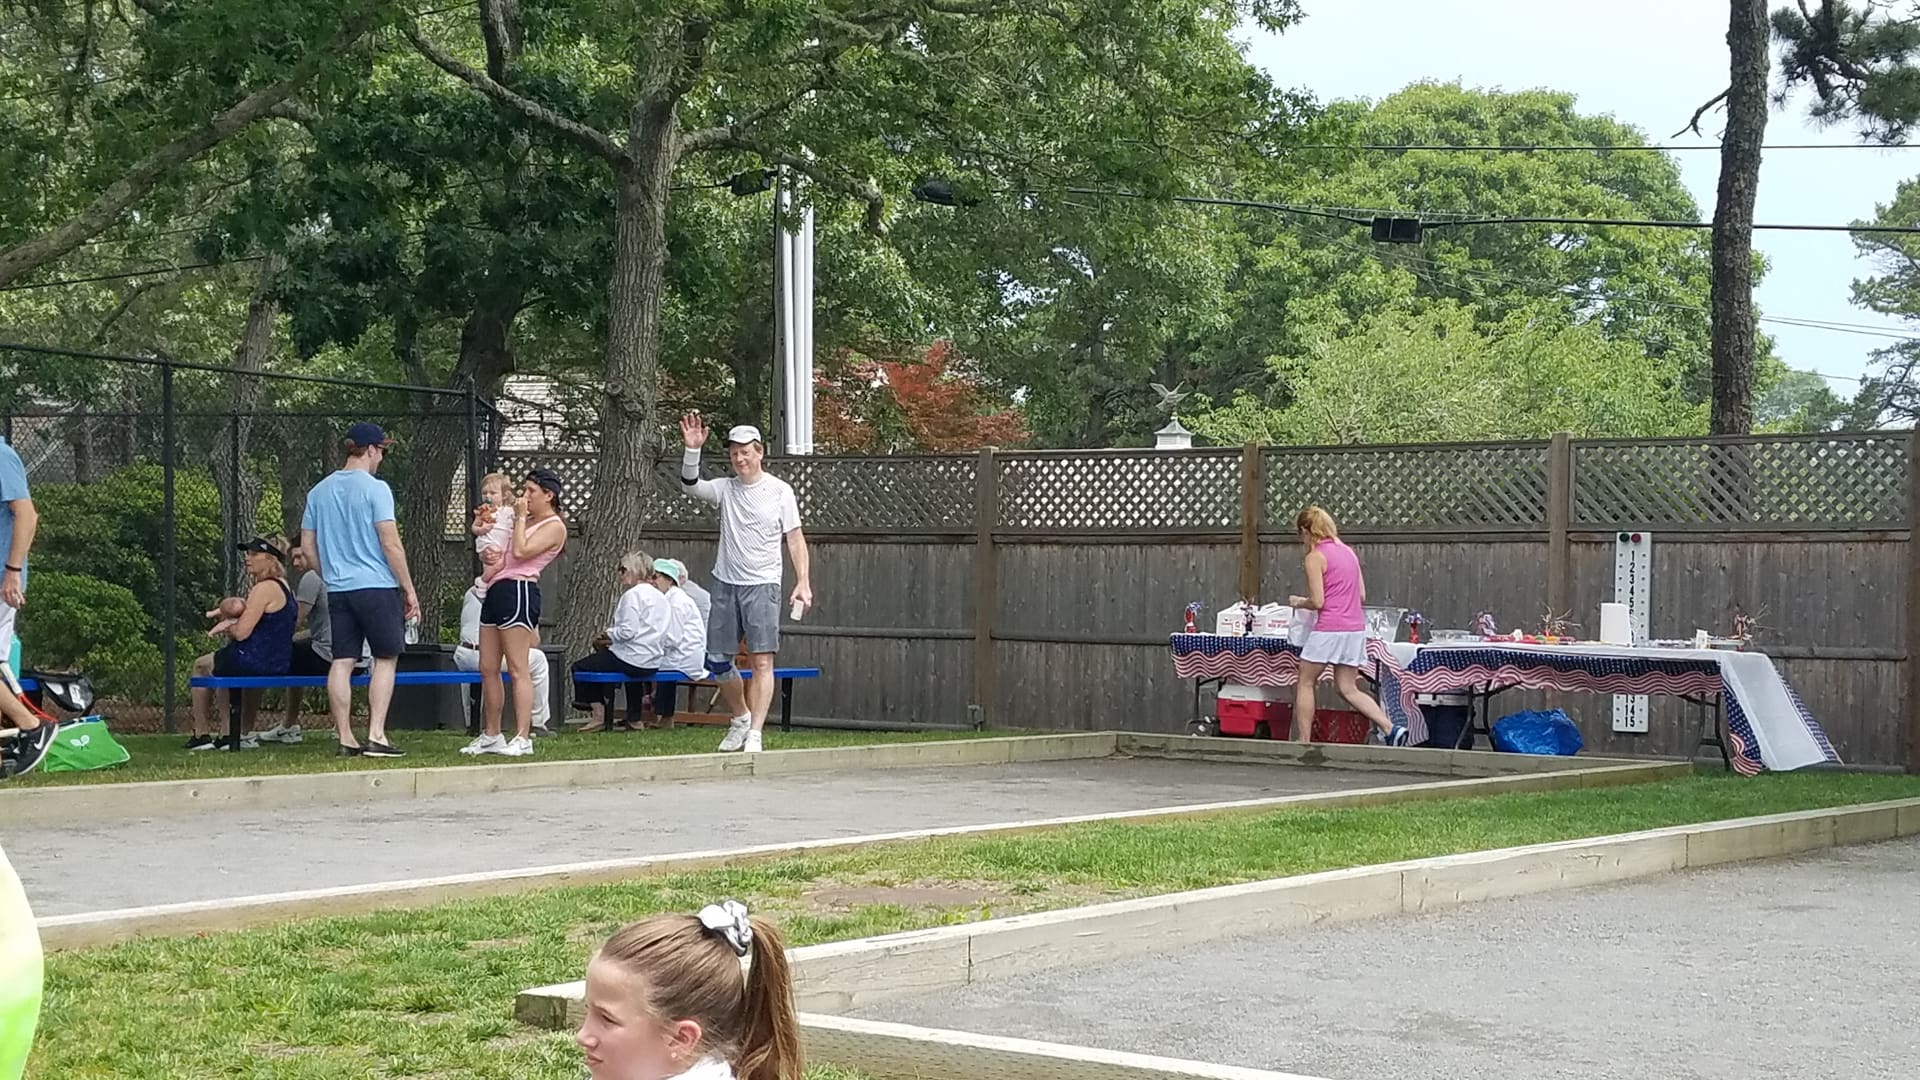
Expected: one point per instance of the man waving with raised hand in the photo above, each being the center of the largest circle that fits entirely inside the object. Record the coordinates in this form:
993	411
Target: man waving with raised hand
756	511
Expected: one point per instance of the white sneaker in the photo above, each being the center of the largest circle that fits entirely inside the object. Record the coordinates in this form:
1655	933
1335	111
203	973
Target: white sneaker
517	747
753	742
736	734
485	744
282	733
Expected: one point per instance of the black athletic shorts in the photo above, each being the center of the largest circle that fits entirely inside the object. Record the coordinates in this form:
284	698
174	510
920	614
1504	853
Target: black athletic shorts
368	620
306	661
511	603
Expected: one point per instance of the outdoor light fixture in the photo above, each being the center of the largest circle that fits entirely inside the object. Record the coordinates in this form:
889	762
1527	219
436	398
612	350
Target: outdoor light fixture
1396	230
751	182
940	191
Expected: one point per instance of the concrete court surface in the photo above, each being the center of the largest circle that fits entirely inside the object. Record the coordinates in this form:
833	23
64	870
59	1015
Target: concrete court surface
133	862
1645	980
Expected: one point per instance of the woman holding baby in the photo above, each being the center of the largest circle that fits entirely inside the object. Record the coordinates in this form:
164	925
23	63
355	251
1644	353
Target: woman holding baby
536	534
259	632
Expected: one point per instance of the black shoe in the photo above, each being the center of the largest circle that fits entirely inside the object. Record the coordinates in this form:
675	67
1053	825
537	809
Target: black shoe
30	747
380	749
199	742
348	751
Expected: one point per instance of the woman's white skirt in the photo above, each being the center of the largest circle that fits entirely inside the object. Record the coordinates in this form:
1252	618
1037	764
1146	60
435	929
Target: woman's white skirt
1347	647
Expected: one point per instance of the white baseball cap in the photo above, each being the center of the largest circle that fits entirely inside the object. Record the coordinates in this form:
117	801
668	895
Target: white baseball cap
744	433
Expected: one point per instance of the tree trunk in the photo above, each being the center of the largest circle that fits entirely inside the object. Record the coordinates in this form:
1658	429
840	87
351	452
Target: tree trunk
1093	433
239	488
437	449
750	358
80	440
1747	40
629	411
306	455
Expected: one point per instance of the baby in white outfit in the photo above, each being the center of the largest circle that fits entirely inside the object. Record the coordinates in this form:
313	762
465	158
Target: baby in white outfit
493	524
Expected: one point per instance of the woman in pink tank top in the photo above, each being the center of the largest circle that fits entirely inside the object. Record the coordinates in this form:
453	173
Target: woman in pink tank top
510	613
1336	595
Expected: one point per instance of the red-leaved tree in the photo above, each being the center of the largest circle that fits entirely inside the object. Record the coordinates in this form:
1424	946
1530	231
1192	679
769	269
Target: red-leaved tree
922	404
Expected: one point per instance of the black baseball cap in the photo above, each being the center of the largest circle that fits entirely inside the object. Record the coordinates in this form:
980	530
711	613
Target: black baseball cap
549	480
262	546
367	434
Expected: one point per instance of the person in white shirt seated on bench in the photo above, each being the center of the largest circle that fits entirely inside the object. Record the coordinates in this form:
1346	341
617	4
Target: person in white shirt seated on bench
686	650
636	641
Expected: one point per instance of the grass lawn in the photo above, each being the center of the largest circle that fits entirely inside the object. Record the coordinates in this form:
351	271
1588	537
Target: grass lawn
429	993
160	757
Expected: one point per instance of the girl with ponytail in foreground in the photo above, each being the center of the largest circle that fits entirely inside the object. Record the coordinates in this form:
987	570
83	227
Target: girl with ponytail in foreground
668	999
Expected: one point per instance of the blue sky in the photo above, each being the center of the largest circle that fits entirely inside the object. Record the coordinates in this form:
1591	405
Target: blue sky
1648	63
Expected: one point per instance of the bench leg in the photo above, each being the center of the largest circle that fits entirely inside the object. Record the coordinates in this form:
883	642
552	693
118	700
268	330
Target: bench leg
786	704
631	693
233	719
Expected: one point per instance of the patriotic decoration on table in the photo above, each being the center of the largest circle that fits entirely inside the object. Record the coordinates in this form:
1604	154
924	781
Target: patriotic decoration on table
1460	669
1269	661
1442	671
1249	661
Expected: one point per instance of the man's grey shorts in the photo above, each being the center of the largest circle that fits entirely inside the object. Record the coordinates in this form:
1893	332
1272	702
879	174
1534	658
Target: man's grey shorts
749	610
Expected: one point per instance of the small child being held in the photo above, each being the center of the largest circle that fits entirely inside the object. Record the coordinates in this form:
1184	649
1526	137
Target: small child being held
666	998
493	524
228	612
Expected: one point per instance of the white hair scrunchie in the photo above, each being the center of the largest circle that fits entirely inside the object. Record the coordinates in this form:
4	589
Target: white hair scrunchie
729	920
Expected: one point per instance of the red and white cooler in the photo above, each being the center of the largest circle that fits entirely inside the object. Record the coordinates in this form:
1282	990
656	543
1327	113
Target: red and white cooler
1242	709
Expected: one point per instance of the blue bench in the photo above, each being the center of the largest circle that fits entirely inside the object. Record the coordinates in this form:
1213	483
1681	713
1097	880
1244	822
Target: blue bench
786	675
459	678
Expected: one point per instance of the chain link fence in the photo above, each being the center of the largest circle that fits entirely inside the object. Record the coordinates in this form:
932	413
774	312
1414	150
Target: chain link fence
147	472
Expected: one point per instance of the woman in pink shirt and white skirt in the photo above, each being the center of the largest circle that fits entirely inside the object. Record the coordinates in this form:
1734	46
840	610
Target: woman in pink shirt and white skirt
1336	593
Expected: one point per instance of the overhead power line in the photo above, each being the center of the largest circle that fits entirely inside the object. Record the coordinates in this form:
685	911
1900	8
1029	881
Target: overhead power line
1415	224
1530	148
1654	223
1423	268
130	274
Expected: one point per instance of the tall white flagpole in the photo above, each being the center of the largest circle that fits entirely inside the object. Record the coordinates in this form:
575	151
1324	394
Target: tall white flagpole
803	334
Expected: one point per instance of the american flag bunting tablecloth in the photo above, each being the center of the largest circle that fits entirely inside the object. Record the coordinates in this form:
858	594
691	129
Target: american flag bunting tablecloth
1767	724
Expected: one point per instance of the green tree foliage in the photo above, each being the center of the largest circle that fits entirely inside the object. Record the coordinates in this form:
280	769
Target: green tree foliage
1423	373
1801	401
82	623
1311	294
1892	391
1857	59
112	106
95	588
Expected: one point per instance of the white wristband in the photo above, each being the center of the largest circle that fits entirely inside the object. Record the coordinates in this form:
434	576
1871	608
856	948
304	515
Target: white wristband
690	464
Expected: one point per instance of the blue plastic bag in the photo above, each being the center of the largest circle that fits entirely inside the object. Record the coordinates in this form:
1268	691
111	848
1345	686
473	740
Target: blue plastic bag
1544	732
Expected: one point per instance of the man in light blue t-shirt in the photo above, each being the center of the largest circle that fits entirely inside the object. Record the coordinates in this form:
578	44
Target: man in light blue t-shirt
349	530
18	521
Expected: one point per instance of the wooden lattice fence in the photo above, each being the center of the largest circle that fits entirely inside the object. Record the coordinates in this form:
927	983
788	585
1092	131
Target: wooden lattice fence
1410	488
1005	572
1826	482
1829	482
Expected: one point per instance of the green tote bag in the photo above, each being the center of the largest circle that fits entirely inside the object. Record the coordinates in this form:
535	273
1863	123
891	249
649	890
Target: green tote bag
83	745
